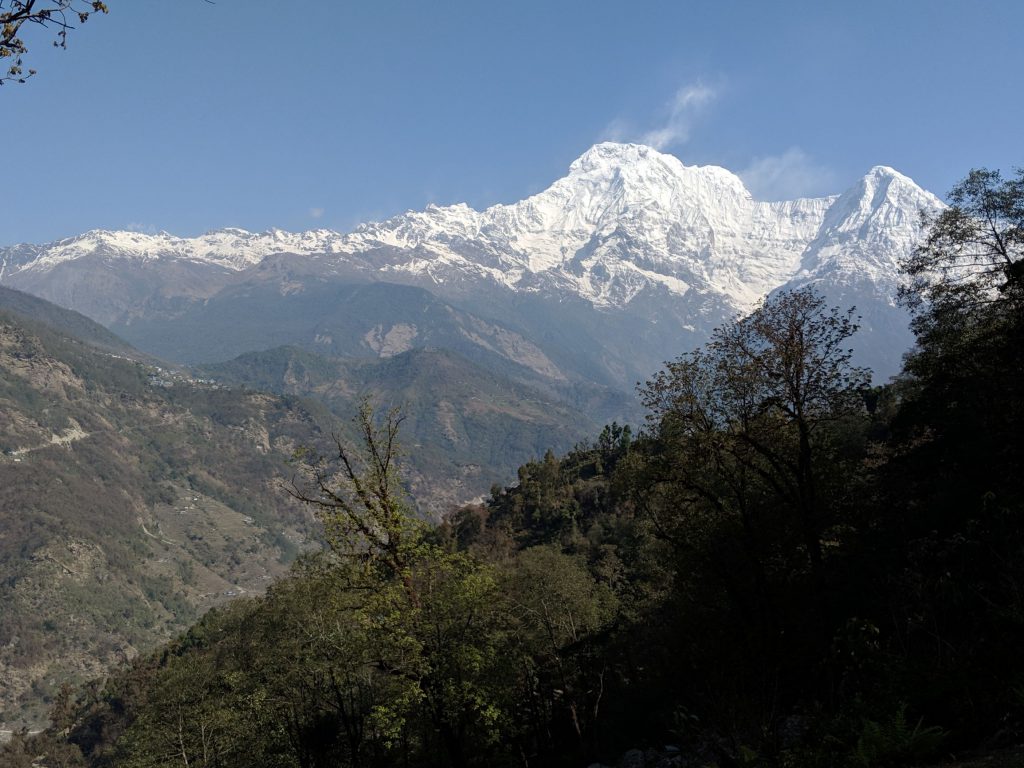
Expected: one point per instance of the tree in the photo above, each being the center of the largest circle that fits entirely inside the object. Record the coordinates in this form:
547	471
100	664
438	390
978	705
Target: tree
748	412
752	444
966	289
359	497
559	606
431	616
951	482
56	15
973	254
962	405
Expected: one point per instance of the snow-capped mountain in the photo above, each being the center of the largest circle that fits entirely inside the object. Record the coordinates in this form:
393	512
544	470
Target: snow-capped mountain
231	248
628	231
625	217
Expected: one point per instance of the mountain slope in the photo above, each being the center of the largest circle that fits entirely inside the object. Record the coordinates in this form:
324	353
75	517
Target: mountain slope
625	218
131	500
465	428
854	259
363	320
66	321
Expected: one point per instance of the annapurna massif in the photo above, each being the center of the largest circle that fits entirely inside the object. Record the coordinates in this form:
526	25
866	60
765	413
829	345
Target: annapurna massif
646	252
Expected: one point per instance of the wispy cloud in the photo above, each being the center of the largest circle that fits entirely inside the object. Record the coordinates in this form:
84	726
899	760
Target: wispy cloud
316	213
617	130
788	176
688	102
677	118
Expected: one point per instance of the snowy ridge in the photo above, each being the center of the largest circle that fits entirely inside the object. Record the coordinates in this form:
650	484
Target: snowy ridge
624	220
229	248
866	232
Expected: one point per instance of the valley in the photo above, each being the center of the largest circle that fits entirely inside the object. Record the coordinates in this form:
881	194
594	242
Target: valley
511	385
503	333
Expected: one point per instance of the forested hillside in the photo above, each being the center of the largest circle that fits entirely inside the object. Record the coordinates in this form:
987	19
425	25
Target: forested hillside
785	567
132	499
466	427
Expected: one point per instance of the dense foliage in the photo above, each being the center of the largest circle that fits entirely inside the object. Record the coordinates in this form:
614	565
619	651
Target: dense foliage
785	568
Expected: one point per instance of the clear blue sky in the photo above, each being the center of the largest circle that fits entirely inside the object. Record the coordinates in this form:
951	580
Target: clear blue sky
182	115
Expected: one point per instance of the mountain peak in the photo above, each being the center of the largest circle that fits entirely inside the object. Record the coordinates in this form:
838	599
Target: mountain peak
625	220
647	174
614	154
882	186
884	175
884	171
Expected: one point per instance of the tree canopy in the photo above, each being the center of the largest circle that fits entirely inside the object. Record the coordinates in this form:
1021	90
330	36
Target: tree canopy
746	414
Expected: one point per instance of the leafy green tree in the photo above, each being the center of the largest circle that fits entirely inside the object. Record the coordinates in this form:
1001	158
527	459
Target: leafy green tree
430	615
559	606
359	497
613	443
450	651
190	719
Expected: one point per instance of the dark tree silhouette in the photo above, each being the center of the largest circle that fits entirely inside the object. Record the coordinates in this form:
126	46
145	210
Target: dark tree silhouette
973	254
748	410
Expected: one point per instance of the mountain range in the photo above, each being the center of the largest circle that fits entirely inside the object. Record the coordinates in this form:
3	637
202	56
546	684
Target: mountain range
135	493
628	260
